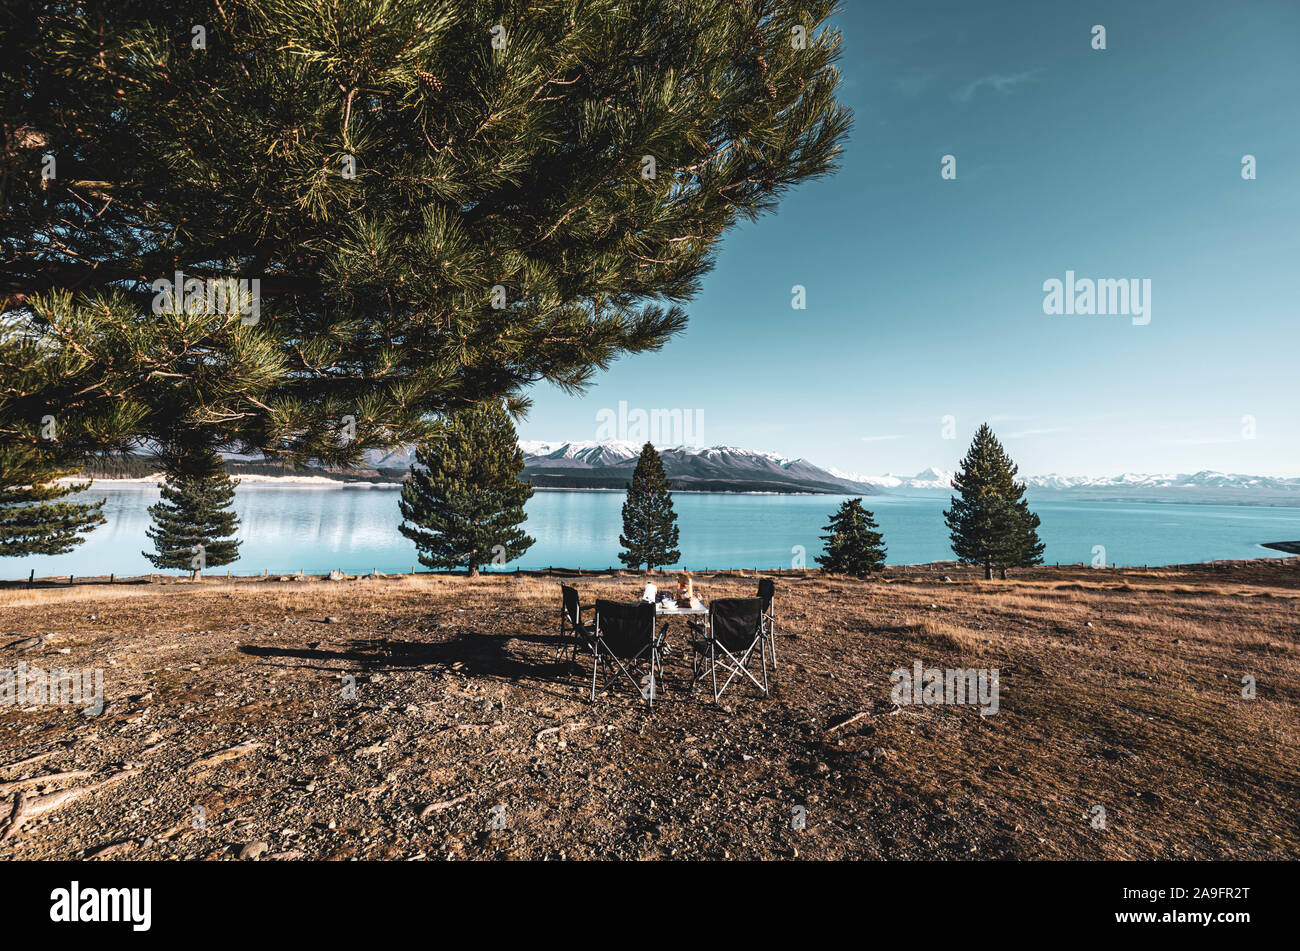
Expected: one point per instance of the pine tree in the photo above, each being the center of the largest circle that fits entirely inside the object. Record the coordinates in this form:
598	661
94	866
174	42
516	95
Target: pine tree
1028	548
854	546
990	523
34	519
194	524
464	501
51	415
650	533
444	201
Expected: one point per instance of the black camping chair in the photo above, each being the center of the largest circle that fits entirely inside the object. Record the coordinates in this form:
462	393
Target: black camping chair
624	642
735	629
767	594
574	632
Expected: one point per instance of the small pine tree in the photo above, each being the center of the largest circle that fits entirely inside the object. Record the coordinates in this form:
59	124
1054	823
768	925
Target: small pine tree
990	523
194	524
52	414
33	519
650	532
853	544
464	501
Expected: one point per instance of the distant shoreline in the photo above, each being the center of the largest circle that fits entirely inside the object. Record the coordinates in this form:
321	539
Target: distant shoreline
324	482
883	496
939	572
1291	548
305	482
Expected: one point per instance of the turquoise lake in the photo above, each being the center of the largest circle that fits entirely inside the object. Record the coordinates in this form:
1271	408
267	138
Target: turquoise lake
287	528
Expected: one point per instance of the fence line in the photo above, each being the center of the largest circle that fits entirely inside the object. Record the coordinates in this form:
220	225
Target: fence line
268	574
549	572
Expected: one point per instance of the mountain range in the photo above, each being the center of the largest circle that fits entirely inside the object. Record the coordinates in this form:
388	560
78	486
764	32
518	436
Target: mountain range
1205	480
609	464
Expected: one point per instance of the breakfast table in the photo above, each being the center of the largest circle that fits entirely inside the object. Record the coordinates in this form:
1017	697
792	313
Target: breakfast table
671	608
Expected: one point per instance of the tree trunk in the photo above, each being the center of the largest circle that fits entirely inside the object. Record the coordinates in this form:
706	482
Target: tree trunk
1004	574
473	571
194	575
988	571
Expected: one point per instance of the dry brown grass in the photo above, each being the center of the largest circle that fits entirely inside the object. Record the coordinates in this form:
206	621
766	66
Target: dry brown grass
1123	692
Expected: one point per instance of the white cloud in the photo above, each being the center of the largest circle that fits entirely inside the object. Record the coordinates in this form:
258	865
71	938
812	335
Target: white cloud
998	82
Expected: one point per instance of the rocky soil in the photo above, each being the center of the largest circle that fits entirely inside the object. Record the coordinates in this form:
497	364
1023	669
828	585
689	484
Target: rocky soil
427	718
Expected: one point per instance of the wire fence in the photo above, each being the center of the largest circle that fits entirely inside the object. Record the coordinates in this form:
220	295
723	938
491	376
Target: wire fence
551	571
355	573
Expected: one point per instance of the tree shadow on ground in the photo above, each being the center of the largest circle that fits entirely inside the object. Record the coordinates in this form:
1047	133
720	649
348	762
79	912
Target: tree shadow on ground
477	654
472	653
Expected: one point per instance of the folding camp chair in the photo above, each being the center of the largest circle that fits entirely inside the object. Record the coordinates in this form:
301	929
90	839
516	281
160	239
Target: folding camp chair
574	632
624	642
767	594
735	629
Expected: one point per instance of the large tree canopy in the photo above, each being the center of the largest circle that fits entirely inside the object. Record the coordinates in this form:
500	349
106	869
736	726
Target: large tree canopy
443	200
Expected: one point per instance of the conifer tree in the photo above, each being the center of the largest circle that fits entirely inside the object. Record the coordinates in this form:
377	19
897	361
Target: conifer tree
194	524
989	522
854	546
35	519
444	201
464	501
1028	548
51	416
650	532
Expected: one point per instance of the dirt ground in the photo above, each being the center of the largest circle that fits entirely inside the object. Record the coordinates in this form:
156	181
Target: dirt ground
427	718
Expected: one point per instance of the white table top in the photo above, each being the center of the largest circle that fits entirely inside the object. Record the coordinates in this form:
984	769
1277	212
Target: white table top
697	607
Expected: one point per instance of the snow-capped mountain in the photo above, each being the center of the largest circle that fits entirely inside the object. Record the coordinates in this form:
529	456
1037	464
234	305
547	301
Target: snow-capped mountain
609	465
929	478
392	459
1205	478
1054	481
589	453
1204	486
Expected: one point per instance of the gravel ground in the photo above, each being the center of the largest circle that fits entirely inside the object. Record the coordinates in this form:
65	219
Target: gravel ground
426	718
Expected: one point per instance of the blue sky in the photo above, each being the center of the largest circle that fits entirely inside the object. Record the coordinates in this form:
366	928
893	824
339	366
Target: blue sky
925	296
